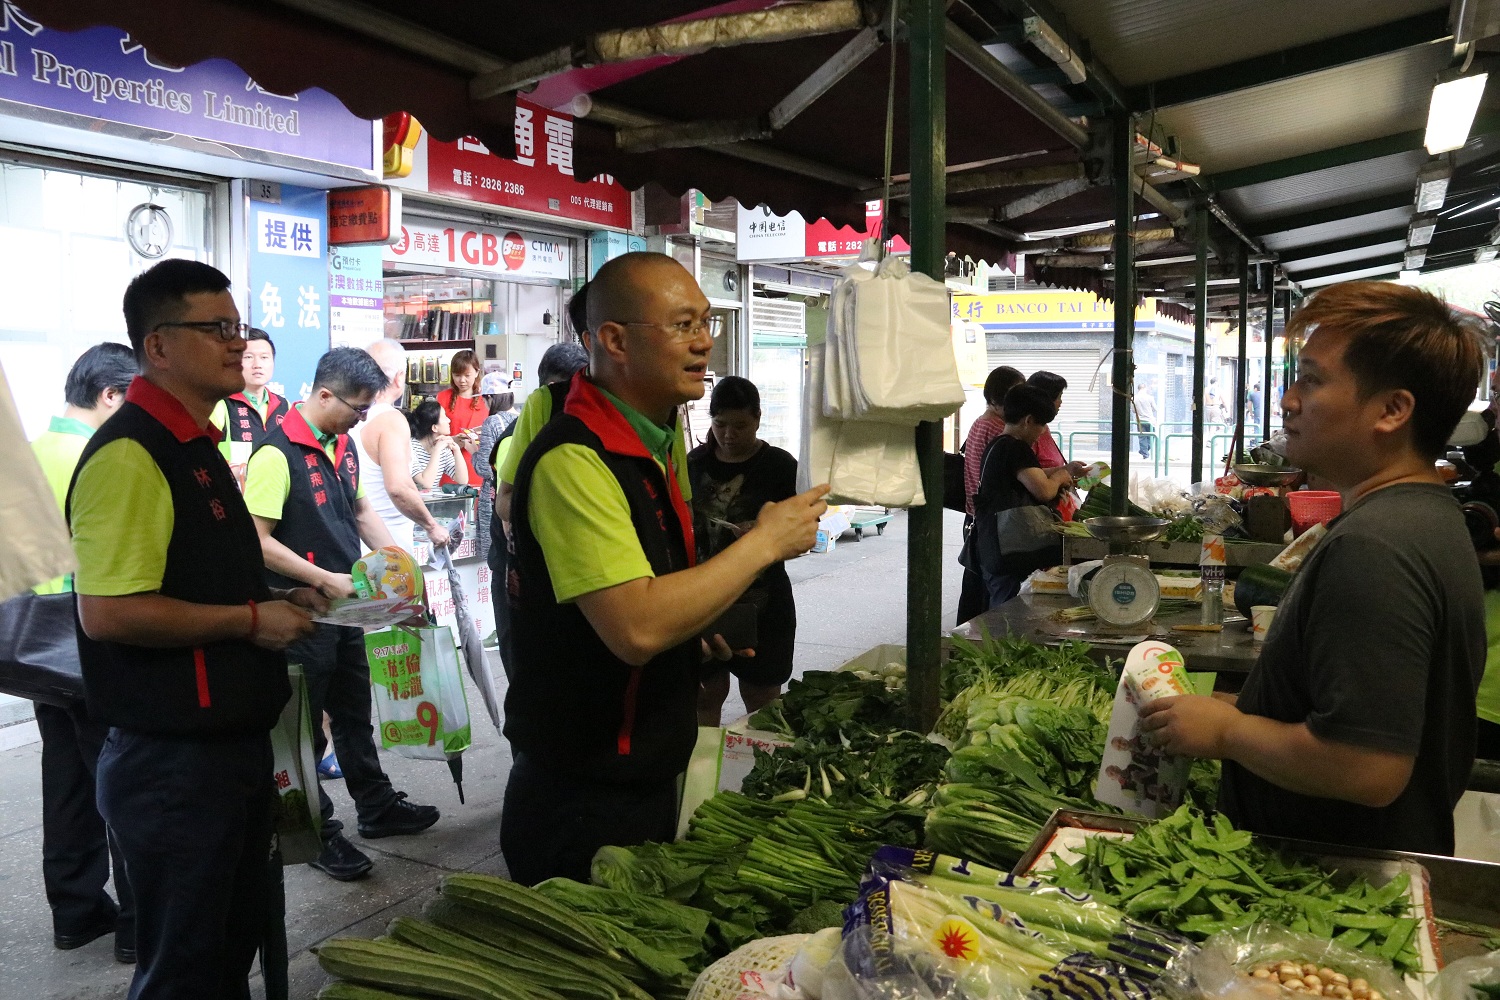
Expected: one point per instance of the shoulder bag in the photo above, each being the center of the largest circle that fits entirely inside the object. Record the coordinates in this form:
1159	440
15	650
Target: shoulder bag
1025	534
39	649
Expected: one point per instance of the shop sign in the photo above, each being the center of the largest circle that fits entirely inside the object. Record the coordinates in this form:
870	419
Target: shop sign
499	252
363	215
540	178
1060	310
760	235
400	136
356	296
104	74
289	282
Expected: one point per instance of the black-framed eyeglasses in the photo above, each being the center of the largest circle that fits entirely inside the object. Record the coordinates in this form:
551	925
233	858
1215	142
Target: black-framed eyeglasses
687	330
359	411
226	330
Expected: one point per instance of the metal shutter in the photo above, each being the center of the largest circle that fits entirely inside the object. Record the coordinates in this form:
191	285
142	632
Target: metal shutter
1079	404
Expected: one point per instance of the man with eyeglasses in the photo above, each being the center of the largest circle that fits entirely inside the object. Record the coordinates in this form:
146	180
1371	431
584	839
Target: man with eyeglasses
607	604
182	642
303	490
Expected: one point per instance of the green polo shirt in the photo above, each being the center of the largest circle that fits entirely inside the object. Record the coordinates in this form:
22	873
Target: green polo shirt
122	522
237	452
1489	688
58	450
579	513
268	480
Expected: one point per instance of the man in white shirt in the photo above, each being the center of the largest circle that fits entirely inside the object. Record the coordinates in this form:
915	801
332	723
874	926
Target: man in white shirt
384	442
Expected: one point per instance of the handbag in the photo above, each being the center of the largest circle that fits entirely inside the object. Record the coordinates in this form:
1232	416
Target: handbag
954	497
299	817
39	649
1025	539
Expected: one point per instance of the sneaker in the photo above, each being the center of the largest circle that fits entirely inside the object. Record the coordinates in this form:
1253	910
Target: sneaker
341	860
400	817
328	767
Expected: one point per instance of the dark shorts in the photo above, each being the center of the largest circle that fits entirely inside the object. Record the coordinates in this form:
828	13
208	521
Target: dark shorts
776	633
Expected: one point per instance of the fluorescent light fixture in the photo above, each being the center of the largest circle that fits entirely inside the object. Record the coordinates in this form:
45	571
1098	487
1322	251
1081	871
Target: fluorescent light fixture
1486	254
1408	275
1451	114
1419	233
1052	45
1415	259
1432	185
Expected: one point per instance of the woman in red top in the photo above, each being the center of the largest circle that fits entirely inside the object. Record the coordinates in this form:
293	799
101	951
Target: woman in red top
1047	452
465	407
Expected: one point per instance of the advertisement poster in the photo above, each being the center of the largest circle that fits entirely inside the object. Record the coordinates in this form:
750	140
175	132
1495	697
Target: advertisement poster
499	252
761	235
289	282
356	296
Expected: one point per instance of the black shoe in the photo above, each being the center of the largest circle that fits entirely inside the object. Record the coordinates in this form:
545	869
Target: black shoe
400	817
124	952
67	942
342	860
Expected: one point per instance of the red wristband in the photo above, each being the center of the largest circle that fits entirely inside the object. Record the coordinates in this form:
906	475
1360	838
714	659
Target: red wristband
254	620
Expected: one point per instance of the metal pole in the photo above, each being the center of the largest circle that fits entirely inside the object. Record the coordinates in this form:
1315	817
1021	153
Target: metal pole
1289	360
1237	446
1122	146
1268	379
1200	336
924	547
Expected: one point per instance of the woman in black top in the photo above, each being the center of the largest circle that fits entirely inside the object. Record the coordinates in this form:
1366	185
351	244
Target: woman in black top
734	474
1012	477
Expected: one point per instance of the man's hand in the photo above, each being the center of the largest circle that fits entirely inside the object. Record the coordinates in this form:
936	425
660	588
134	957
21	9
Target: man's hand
336	585
279	624
1190	725
307	598
791	527
718	649
439	536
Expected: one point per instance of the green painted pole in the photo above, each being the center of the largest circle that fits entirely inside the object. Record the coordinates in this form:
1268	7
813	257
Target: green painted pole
1289	361
1200	335
926	24
1240	384
1268	378
1121	146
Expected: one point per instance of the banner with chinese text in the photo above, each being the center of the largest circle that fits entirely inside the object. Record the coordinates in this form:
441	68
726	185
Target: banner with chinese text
288	291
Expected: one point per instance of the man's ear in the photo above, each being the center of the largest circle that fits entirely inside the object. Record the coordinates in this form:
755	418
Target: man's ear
610	338
1397	407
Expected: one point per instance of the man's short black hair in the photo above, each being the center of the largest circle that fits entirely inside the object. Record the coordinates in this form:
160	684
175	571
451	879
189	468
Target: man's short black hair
155	295
256	333
578	310
349	371
103	366
561	362
1048	382
1027	400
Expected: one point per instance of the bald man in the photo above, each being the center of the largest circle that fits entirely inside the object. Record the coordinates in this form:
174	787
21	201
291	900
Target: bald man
385	442
607	603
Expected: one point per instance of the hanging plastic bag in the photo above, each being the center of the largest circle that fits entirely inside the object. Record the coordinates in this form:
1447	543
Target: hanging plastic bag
295	771
36	548
1476	977
419	692
902	365
863	463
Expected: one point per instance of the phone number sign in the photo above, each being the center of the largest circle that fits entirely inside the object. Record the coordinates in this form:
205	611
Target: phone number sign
540	178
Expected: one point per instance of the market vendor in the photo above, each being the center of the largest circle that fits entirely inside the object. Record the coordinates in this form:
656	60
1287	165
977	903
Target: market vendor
608	604
1357	723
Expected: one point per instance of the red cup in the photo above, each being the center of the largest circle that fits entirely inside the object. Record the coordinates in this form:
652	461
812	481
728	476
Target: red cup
1310	507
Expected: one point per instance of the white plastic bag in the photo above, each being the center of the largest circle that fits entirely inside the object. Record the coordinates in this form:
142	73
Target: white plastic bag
863	463
36	548
418	692
295	772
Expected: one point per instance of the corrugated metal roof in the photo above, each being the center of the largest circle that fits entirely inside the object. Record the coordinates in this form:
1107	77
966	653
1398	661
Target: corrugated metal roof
1349	256
1146	40
1305	192
1364	272
1347	104
1309	235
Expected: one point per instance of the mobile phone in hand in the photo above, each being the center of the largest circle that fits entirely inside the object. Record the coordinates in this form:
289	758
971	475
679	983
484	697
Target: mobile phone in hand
738	626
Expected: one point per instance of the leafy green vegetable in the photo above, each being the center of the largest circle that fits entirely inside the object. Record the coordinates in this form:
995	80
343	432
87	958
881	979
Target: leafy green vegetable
900	768
667	939
836	707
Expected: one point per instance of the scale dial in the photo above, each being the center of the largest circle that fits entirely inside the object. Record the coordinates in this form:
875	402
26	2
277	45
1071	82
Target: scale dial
1124	593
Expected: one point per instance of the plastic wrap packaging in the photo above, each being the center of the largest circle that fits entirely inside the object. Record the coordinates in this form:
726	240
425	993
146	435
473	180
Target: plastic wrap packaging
1222	968
1474	978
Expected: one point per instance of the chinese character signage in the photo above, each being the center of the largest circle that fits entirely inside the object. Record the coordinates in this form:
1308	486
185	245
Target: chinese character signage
539	179
363	215
289	282
356	296
104	74
763	236
498	252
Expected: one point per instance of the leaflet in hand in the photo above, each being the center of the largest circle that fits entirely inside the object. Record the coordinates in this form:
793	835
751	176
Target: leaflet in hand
387	588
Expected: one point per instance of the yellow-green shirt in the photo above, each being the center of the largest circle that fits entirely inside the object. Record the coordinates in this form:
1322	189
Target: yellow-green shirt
58	450
268	479
1489	687
579	513
122	521
237	453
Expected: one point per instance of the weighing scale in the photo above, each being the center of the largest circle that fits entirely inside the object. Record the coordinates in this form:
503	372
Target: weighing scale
1124	593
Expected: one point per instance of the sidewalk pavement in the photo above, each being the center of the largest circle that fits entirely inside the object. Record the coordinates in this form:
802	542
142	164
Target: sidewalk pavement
847	601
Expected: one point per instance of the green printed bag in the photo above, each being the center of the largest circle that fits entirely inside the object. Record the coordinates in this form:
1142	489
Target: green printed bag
418	690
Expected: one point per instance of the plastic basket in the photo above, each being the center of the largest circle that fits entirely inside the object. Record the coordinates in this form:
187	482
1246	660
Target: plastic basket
1310	507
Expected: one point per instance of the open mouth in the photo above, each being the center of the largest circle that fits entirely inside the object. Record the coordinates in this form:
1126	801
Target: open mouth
699	370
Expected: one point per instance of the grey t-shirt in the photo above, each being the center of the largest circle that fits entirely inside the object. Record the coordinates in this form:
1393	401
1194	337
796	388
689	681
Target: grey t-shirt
1379	643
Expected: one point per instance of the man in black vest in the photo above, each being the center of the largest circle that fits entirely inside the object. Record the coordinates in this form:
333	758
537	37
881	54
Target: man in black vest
608	606
181	643
248	415
303	491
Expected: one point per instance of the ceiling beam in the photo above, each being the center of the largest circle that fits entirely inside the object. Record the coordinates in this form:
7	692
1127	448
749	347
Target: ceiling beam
1291	255
1332	213
961	44
1040	199
995	178
825	77
1421	29
1098	79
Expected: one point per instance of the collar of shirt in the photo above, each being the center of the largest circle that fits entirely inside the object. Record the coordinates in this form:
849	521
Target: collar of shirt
657	438
168	410
68	425
260	402
328	441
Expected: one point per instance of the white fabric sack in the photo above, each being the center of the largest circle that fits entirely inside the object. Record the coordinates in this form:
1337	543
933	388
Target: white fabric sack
837	382
863	463
36	546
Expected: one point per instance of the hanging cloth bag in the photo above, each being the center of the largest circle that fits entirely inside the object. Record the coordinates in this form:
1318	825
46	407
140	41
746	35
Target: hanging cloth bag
299	819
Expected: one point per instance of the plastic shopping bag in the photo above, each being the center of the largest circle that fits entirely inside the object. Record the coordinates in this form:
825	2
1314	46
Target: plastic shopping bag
36	548
295	771
418	692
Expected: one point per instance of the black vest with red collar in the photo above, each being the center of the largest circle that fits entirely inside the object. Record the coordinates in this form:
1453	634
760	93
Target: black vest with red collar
218	690
244	422
317	519
572	703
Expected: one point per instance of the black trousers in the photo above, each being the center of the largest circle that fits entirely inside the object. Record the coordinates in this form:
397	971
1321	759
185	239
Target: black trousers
76	846
193	821
499	562
338	682
553	823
